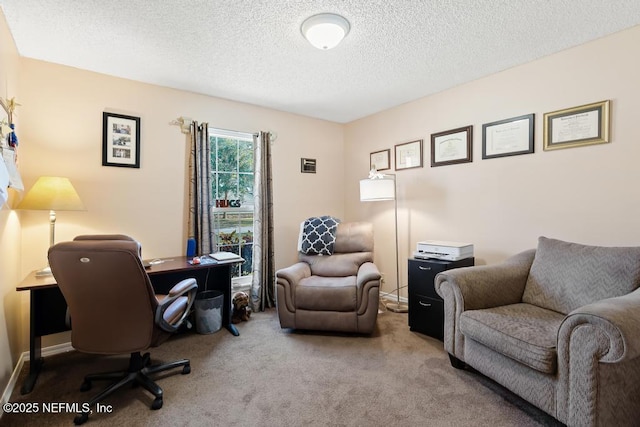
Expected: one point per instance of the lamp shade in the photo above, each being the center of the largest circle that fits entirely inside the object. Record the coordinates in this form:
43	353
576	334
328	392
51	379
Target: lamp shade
325	30
52	193
373	190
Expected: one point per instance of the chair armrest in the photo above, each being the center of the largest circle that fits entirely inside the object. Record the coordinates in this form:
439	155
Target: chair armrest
367	280
598	343
293	274
286	281
487	285
478	287
177	303
366	273
619	321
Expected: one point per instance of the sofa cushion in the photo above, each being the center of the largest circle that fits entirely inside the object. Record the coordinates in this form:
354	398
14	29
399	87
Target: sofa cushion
523	332
565	276
321	293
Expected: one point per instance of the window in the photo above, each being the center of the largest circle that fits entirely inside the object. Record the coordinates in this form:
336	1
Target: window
232	181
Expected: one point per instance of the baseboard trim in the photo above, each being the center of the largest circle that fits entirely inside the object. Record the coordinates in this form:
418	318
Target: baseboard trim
13	380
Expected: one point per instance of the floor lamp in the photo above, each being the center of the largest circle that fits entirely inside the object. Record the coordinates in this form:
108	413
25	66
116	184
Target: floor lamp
382	187
51	193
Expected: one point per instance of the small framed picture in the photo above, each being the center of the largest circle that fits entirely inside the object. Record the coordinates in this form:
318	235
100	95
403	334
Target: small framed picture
380	160
120	140
577	126
452	146
408	155
508	137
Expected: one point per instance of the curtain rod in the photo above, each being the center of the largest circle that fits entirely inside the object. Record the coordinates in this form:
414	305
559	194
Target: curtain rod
185	127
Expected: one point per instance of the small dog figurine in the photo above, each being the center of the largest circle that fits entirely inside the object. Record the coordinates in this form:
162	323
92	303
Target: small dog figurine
241	310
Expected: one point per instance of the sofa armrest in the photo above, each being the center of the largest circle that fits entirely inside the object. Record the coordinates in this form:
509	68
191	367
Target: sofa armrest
599	348
617	318
479	287
287	279
487	285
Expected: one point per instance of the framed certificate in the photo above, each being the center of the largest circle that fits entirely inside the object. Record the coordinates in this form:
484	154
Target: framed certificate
508	137
577	126
380	160
408	155
452	146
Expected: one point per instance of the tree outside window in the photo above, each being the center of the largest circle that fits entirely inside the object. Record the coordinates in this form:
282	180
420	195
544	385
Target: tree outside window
232	181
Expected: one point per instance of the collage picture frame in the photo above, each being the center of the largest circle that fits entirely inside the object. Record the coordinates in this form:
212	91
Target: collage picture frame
120	140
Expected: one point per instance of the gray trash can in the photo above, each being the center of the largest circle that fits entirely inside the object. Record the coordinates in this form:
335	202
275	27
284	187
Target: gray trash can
208	305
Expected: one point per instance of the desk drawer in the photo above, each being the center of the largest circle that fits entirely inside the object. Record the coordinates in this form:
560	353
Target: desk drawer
426	315
422	275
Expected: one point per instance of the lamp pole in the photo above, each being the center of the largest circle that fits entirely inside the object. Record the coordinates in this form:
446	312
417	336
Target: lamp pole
397	307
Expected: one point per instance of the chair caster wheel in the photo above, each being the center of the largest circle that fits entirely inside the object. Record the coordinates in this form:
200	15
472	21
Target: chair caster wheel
81	418
186	369
157	403
85	386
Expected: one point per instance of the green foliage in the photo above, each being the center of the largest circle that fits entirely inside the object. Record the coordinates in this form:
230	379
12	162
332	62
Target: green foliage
232	163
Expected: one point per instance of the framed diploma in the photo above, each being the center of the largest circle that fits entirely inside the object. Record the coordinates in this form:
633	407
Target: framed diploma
452	146
380	160
508	137
577	126
408	155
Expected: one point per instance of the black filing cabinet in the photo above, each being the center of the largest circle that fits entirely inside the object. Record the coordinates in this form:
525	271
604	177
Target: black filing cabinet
426	308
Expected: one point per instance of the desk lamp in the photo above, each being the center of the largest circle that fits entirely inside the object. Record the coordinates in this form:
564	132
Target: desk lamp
51	193
382	187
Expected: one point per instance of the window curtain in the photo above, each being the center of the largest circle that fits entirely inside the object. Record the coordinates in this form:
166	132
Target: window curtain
263	282
200	190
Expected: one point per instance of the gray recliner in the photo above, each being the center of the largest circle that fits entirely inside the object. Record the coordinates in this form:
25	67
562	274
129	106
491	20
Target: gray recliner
338	292
559	326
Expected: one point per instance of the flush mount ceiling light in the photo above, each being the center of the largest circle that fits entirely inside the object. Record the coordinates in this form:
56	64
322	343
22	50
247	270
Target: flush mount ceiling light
325	30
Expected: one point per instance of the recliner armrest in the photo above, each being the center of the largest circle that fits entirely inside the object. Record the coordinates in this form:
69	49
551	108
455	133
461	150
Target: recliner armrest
180	299
287	279
367	272
293	274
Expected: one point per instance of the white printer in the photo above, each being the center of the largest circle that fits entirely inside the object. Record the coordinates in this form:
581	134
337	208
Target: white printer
448	251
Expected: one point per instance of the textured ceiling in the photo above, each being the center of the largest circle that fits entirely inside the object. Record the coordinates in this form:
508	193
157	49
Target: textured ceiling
252	50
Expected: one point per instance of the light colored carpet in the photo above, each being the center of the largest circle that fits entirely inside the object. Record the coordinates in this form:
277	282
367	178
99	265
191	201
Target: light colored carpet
273	377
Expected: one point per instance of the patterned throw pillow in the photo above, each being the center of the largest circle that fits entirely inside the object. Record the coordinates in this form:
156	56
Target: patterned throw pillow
319	235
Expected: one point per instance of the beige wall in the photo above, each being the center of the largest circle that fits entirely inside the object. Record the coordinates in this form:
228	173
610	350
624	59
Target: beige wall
10	241
62	135
585	194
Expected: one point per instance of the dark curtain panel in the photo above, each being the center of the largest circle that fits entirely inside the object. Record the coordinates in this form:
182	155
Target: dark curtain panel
263	284
200	190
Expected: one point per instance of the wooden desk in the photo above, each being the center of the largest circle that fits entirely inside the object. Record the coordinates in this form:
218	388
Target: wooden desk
49	309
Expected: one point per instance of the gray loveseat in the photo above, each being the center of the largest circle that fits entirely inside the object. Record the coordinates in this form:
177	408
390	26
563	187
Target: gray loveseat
559	326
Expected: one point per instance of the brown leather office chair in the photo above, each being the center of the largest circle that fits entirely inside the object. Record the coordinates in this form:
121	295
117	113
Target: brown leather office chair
114	309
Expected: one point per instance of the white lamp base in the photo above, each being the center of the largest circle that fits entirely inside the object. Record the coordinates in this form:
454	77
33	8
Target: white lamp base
397	308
